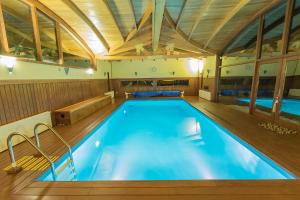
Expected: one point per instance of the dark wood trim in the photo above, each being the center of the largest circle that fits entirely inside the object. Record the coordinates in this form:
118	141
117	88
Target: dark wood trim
3	35
36	34
260	37
59	44
254	88
255	80
217	78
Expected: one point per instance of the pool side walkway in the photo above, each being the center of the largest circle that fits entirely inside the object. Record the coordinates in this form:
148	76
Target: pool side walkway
283	149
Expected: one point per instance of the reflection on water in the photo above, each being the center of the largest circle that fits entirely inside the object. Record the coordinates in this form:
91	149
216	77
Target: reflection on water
166	140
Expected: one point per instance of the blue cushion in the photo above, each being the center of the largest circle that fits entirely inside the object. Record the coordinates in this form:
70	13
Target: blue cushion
168	93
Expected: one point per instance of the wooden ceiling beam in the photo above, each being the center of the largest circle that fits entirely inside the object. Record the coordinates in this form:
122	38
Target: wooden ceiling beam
180	14
3	35
142	22
65	25
227	18
78	11
132	13
181	44
113	19
143	39
184	36
246	23
157	18
200	14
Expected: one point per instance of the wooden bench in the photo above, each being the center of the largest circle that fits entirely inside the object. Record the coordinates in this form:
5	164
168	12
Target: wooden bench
73	113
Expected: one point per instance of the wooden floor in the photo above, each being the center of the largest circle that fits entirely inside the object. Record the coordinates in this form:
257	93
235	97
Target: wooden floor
283	149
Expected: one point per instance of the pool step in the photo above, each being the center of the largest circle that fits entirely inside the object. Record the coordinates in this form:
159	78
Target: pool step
32	163
68	164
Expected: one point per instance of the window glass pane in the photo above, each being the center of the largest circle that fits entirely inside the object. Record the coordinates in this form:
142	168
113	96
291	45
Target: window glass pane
243	49
266	86
17	19
48	38
290	107
74	54
294	40
272	32
235	86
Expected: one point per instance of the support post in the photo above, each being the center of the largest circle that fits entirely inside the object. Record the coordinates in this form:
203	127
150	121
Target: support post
217	78
255	80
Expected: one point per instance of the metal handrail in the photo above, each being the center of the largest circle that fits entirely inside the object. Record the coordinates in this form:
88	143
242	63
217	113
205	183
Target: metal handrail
36	135
12	155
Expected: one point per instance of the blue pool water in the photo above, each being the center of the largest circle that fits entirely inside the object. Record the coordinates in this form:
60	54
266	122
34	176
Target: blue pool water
291	106
164	140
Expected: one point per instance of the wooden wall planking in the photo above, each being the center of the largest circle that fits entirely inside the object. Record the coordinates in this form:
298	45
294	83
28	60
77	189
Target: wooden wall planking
24	98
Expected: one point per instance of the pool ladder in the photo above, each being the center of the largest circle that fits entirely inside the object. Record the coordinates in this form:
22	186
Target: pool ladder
55	172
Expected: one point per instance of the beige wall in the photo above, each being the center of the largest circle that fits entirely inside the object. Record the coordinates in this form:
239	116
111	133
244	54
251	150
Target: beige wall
27	70
209	67
158	68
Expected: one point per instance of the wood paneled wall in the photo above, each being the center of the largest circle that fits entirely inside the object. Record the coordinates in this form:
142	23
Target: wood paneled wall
190	90
24	98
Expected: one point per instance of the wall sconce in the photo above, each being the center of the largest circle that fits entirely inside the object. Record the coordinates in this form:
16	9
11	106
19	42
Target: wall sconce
8	62
90	71
67	69
135	73
227	71
207	73
173	73
265	71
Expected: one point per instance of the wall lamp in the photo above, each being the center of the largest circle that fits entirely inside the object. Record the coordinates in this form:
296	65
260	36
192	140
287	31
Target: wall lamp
8	62
90	71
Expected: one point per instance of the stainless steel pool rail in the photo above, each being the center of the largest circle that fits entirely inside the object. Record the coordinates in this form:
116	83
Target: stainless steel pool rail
15	168
37	140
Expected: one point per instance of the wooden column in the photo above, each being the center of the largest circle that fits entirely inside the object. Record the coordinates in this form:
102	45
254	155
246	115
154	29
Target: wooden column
36	33
3	36
255	80
59	44
94	63
280	81
217	79
287	24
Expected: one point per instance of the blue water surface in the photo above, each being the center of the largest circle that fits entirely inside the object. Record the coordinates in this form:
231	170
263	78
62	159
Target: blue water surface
291	106
164	140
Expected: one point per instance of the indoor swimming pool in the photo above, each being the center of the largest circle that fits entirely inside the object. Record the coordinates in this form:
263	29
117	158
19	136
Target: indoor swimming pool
164	140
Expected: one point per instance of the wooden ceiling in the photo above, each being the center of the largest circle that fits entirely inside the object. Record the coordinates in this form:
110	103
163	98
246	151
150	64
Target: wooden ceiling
133	29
